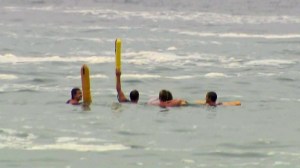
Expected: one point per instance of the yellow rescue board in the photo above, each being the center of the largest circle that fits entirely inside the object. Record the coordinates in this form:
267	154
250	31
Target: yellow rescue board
118	47
231	103
85	82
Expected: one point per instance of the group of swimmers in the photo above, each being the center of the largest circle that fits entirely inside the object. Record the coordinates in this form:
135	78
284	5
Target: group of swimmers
165	98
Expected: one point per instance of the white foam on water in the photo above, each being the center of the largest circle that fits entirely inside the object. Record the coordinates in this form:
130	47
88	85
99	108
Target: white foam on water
64	38
10	58
77	139
203	64
189	161
171	48
215	75
180	77
280	163
19	9
216	42
233	65
140	76
24	141
2	89
169	149
266	36
79	147
249	164
199	17
27	127
99	76
96	76
149	57
83	53
12	8
18	87
8	77
45	8
270	62
290	154
237	96
230	62
235	35
10	34
29	87
73	77
10	138
266	74
285	99
124	76
97	40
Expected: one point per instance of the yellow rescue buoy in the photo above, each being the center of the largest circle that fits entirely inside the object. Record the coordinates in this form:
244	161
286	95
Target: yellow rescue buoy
118	46
231	103
85	82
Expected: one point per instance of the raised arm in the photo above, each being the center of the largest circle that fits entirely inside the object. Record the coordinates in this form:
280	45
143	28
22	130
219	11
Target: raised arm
121	96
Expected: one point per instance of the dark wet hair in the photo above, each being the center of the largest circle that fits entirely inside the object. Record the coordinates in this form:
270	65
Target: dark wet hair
134	96
74	91
165	95
212	96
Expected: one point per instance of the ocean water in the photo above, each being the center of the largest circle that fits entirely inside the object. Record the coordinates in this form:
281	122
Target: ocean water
244	50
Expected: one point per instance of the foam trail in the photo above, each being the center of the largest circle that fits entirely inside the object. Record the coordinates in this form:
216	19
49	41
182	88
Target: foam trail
20	9
236	35
25	141
10	138
215	75
96	76
171	48
199	17
79	147
140	76
266	74
74	139
272	62
181	77
8	77
149	57
10	58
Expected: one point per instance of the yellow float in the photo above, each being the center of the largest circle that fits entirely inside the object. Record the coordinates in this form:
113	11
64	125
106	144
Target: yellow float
118	46
85	82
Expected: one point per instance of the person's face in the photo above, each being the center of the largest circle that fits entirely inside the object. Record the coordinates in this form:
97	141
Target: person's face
78	95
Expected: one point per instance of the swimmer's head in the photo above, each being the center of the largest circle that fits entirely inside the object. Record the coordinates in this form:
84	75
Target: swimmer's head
165	95
76	94
134	96
211	97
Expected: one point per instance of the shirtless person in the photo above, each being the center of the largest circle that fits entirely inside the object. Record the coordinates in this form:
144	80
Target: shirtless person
211	100
76	96
166	100
134	94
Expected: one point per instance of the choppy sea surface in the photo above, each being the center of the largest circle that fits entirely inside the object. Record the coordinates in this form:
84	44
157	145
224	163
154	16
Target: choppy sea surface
244	50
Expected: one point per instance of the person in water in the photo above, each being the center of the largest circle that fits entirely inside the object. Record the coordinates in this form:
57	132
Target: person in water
211	99
134	94
76	96
165	99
